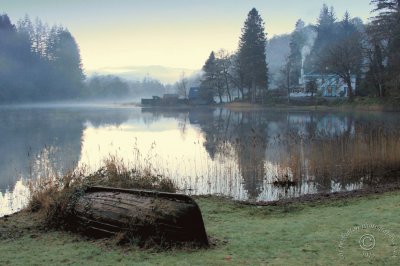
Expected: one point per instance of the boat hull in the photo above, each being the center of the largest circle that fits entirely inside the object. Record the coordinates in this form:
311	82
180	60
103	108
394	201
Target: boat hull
164	218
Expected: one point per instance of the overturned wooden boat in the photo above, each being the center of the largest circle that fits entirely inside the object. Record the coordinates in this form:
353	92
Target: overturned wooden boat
164	218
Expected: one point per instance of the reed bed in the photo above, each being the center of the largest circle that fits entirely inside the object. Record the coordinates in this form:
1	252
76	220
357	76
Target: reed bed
242	166
362	155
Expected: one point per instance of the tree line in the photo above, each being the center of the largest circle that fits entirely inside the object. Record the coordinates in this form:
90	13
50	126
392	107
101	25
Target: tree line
114	87
344	47
243	74
38	62
43	63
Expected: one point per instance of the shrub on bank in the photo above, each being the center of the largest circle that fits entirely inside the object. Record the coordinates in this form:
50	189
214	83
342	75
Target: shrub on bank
55	196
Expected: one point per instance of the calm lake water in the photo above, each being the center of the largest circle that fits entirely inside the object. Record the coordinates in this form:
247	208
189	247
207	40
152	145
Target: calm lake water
247	155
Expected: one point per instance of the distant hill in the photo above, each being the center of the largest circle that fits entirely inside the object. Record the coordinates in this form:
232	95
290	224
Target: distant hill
164	74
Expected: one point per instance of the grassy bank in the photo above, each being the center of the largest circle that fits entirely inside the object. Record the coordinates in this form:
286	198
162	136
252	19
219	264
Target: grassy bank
323	104
291	234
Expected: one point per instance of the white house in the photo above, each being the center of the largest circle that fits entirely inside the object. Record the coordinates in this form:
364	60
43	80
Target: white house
327	85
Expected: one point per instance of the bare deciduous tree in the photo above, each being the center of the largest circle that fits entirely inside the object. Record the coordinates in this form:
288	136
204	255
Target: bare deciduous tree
182	85
344	57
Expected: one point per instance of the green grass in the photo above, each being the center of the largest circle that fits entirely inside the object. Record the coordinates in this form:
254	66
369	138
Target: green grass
297	234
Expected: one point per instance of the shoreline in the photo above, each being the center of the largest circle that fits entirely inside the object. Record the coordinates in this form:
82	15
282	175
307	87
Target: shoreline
340	107
359	105
324	197
321	197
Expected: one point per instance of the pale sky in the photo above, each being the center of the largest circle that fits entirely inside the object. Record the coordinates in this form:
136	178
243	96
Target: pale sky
118	34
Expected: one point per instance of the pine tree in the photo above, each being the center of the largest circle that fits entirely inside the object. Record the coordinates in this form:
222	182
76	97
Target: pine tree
208	84
7	38
325	36
251	54
64	55
209	68
385	27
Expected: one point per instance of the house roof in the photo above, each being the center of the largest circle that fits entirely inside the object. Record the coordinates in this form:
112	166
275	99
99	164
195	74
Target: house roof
194	92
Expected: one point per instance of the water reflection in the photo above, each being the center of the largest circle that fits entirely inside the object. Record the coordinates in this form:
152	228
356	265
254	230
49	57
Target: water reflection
248	155
15	200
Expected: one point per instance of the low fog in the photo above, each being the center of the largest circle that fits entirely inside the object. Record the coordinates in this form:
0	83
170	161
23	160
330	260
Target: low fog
42	63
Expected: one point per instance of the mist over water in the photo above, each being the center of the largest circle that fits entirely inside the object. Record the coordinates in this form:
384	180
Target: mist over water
247	155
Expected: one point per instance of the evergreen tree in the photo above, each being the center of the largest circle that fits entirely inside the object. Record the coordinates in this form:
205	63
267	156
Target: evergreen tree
251	54
39	38
209	82
385	27
66	60
325	36
7	52
209	68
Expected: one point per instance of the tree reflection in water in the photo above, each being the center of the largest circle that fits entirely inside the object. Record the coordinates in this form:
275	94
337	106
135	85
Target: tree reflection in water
258	155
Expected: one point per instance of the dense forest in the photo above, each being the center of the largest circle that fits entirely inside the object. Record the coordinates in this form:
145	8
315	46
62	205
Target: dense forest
37	62
344	47
42	63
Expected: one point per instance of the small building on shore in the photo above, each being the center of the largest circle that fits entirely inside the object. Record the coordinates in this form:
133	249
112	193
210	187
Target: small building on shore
153	101
169	99
326	85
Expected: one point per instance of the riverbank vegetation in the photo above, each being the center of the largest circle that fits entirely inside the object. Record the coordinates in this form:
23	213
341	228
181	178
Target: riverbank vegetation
360	154
54	196
311	233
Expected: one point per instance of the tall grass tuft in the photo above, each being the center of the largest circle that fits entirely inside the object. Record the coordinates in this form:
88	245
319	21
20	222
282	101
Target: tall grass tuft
55	196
